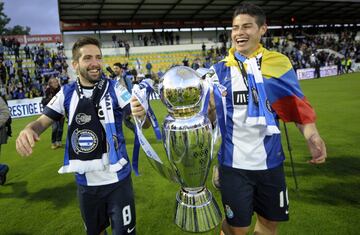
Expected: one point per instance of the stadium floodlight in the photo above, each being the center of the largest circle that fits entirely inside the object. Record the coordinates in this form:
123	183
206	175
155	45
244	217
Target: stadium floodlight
143	30
274	27
112	31
170	30
77	32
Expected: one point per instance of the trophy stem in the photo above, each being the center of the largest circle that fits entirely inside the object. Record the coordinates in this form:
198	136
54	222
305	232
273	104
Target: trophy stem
196	211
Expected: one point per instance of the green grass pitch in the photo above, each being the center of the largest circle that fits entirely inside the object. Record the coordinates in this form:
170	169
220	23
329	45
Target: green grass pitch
37	200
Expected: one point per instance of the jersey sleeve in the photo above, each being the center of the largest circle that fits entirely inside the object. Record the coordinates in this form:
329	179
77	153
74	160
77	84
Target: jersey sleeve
55	108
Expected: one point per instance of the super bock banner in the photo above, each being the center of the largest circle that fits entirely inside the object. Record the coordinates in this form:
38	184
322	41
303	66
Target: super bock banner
188	141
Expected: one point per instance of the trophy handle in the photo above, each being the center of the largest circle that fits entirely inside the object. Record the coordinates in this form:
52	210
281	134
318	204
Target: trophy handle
152	156
163	170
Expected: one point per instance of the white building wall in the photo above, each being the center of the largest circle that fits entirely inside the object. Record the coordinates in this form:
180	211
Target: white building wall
132	38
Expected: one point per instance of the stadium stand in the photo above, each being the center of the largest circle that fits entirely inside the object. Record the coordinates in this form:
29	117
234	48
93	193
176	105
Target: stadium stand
292	32
24	72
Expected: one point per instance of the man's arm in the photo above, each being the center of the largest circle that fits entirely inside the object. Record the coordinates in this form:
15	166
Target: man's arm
315	142
211	108
30	134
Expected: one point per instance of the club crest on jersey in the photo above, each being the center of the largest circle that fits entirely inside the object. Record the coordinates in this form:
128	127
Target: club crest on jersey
82	118
84	141
229	212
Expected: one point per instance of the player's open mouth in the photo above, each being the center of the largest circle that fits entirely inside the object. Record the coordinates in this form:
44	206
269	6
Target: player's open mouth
241	41
94	71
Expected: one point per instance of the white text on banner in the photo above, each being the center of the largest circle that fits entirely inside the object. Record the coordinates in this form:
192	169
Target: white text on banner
25	107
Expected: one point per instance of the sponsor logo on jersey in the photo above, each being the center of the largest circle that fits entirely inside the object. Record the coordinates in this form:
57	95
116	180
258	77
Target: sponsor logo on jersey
241	97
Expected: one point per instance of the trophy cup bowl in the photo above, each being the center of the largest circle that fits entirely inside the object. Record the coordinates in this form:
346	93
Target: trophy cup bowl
188	141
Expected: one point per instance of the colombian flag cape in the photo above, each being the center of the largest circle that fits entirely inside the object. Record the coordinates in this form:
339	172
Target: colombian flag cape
281	86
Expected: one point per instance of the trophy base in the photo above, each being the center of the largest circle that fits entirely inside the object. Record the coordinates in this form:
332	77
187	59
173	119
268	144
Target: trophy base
196	211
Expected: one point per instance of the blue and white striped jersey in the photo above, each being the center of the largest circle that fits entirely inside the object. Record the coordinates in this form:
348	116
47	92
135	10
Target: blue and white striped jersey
65	102
245	146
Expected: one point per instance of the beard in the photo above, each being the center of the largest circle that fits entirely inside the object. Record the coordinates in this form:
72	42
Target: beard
90	77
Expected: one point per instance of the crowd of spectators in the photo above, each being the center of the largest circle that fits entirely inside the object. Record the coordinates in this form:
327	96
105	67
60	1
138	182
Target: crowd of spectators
307	50
25	71
304	50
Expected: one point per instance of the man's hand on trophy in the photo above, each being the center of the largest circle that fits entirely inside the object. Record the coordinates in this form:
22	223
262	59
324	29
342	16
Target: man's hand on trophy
138	111
211	107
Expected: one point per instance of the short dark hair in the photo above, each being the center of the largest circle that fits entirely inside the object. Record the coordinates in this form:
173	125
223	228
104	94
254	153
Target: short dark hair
82	42
118	65
252	10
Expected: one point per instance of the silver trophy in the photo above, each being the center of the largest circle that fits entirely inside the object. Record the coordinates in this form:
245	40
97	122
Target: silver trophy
188	140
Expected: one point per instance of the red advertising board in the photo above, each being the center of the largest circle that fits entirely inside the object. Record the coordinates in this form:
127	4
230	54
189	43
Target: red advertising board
36	39
47	38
